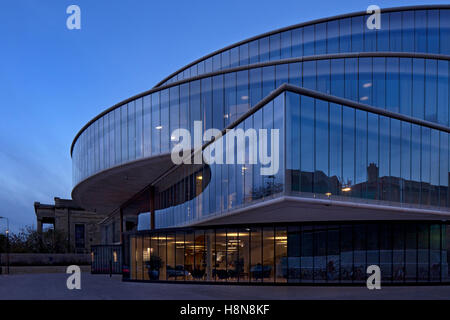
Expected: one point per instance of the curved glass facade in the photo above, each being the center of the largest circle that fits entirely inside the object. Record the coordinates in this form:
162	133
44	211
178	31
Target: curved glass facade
294	253
141	128
332	151
425	31
363	121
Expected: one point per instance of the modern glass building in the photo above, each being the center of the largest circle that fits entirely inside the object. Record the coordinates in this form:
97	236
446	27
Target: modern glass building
363	122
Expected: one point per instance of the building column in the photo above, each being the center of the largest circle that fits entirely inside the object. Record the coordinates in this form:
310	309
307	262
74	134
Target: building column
39	226
209	262
152	208
121	225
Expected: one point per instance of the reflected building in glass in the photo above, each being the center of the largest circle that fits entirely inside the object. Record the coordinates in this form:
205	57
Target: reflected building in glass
363	121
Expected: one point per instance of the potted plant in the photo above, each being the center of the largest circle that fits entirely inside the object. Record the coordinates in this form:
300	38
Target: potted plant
153	266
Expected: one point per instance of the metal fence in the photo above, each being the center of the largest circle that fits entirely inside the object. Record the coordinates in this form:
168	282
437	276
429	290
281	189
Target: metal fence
106	259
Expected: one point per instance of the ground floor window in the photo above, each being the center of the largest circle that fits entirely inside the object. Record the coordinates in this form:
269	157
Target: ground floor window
294	253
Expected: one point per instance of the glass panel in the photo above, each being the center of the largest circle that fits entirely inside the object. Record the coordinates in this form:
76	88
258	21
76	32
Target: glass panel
320	254
189	255
131	131
359	252
395	161
165	121
275	47
294	253
408	31
146	257
345	35
200	263
147	126
234	57
264	49
268	86
357	34
134	254
418	88
395	34
242	93
346	253
230	98
411	253
307	144
392	84
435	252
286	45
365	80
398	253
307	262
194	103
180	270
268	254
442	92
255	86
333	266
348	153
322	152
308	40
405	86
386	254
320	38
171	266
333	36
220	268
124	132
174	113
254	51
425	166
297	42
420	28
225	59
281	254
444	169
384	169
361	155
243	54
406	162
434	175
335	148
444	26
423	252
244	255
162	250
415	164
156	125
433	31
379	82
209	254
256	270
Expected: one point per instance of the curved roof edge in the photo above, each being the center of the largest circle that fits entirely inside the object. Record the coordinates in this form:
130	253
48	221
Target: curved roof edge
299	25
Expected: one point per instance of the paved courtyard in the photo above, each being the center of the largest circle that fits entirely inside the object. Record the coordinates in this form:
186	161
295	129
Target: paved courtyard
53	286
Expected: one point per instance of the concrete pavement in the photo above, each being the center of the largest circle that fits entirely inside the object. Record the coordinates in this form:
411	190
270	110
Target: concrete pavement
94	287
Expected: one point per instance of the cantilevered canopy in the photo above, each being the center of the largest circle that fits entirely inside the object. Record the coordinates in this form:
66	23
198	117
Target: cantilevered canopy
109	189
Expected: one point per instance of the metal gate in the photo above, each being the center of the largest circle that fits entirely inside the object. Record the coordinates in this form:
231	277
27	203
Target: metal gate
106	259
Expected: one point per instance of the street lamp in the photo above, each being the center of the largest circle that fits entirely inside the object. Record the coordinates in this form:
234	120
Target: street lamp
7	243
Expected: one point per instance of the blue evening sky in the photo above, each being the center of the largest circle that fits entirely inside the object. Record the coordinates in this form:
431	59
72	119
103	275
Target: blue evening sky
53	80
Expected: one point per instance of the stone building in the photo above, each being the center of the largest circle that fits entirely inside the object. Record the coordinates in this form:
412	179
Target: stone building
81	227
